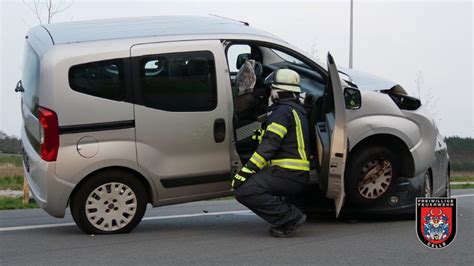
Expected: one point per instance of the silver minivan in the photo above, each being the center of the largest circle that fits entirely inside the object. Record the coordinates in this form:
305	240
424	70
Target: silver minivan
124	112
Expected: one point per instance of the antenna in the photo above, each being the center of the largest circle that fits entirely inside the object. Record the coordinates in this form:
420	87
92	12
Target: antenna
243	22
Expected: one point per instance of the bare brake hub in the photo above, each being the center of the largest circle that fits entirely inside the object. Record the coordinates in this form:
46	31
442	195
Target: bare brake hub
376	172
376	177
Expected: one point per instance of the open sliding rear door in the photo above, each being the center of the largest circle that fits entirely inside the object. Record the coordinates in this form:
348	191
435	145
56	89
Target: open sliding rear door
332	138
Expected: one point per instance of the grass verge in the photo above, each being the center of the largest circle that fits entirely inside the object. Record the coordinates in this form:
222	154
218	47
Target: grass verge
462	186
11	182
462	179
11	203
11	159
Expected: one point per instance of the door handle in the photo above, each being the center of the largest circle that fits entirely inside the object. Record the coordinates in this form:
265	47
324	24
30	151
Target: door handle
219	130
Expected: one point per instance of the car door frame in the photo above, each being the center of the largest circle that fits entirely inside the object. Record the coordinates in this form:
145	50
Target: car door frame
176	189
338	150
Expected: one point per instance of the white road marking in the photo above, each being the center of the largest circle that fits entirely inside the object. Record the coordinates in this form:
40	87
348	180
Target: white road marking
463	196
39	226
193	215
27	227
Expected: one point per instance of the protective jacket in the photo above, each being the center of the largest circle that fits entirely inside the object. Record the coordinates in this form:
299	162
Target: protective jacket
284	140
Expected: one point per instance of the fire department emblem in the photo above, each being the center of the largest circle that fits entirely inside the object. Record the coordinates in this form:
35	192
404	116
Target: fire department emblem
436	221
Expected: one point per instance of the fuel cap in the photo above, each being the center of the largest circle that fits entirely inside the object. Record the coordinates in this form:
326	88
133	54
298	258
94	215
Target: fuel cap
87	147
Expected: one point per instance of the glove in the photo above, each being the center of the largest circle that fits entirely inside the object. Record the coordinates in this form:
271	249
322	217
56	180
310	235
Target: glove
241	177
258	135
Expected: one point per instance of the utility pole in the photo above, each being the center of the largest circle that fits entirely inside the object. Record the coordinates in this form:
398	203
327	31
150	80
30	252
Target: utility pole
351	36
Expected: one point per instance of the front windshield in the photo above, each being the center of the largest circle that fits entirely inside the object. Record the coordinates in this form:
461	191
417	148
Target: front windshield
288	58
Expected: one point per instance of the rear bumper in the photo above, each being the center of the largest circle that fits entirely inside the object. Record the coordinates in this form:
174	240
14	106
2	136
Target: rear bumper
50	192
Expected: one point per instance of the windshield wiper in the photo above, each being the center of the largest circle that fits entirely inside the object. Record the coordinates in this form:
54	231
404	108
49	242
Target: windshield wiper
19	87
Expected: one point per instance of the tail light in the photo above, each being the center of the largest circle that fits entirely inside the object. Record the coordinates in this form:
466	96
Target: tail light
49	142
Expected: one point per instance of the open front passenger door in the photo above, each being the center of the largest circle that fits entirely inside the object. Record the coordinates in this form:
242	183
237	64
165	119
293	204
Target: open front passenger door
332	139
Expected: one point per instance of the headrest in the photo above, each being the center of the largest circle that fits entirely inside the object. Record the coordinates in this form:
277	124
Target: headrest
241	60
246	78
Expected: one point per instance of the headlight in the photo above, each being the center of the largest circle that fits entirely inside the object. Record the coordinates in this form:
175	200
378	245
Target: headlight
405	102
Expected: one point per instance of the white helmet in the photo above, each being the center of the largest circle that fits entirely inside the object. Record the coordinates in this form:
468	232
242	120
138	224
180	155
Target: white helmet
285	80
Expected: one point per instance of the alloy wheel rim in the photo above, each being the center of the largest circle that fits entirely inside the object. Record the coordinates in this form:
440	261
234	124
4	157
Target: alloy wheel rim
376	176
111	206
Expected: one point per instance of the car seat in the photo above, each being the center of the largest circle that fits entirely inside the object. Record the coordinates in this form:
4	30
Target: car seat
313	107
244	84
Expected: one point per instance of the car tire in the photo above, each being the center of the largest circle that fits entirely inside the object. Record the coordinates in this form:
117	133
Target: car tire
447	192
369	174
109	202
427	185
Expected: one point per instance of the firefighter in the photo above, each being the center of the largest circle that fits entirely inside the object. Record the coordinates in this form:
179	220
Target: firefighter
280	165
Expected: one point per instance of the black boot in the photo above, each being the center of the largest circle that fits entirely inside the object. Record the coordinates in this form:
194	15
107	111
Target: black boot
287	230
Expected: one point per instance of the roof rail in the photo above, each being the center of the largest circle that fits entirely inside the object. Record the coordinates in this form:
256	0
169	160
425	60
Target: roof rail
240	21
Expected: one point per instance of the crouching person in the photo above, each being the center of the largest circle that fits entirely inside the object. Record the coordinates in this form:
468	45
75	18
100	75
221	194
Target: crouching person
280	165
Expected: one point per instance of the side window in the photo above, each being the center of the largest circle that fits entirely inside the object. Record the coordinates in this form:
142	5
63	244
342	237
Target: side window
179	82
233	55
103	79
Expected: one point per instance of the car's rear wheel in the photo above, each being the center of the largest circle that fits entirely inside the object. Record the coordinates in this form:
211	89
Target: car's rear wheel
370	173
109	202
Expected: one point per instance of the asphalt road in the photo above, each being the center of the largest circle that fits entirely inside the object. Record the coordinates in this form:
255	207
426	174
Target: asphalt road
223	232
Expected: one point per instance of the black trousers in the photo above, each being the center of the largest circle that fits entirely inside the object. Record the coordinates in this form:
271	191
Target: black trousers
259	191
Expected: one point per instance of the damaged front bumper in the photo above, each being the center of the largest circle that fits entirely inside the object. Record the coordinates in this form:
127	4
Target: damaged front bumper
398	201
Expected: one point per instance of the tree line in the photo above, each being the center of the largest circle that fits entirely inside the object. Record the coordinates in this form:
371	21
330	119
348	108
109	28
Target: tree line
461	153
9	144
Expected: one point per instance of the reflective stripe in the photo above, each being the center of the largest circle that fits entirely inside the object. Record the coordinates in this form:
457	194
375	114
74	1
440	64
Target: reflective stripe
277	129
246	170
239	177
294	164
258	160
258	135
299	136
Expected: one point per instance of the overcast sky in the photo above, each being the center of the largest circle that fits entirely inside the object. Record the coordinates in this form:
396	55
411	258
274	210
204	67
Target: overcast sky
392	39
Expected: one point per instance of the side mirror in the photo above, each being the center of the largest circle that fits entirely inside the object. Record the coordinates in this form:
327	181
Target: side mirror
352	98
241	58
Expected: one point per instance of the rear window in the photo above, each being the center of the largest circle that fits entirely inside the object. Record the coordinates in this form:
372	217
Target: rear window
30	78
104	79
